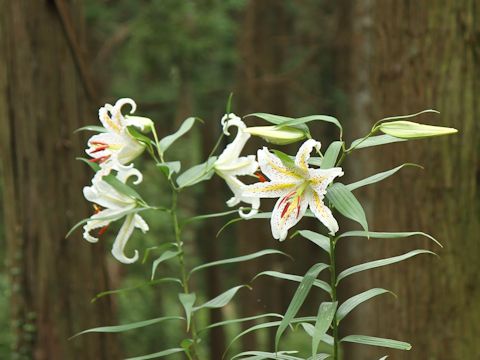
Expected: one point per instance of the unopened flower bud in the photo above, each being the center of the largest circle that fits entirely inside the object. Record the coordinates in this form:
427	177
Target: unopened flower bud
413	130
280	136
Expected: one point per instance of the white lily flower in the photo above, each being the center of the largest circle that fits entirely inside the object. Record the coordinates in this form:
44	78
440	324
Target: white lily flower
116	206
297	188
230	165
116	147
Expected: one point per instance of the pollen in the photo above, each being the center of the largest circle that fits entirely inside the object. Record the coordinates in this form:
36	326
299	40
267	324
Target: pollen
261	177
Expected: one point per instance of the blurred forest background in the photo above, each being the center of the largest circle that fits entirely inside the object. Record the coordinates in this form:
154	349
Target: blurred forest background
60	60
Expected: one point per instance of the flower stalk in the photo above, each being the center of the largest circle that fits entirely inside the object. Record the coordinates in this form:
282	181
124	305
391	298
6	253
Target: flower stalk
333	284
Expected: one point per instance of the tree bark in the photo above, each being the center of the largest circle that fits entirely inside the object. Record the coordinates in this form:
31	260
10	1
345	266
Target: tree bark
42	101
409	56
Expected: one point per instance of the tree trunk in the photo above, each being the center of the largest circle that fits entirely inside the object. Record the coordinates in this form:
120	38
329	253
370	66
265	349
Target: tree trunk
421	55
42	101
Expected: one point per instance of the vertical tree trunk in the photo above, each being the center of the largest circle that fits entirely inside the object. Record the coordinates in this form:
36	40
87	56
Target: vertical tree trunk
42	101
423	55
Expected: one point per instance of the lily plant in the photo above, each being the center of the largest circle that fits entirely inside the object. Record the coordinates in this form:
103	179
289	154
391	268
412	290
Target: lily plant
304	185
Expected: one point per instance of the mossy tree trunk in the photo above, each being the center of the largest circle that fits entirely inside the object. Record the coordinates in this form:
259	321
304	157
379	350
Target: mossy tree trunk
409	56
42	101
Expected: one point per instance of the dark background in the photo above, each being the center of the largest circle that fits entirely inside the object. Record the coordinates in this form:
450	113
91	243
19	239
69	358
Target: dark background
360	61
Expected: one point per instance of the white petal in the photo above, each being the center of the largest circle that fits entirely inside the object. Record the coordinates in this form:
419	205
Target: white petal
303	154
244	165
226	119
130	150
322	212
142	123
273	167
287	214
141	224
95	223
107	196
319	179
125	172
110	139
109	120
237	187
234	149
269	189
122	239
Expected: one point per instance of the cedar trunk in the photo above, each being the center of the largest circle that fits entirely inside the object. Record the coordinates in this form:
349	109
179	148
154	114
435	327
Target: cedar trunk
42	101
409	56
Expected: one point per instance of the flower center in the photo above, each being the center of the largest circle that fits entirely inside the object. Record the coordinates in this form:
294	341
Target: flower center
292	201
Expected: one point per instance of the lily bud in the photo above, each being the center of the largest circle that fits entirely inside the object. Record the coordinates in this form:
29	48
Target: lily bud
275	135
413	130
142	123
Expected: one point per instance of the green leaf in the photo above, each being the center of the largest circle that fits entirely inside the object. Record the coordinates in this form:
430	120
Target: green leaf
331	155
259	355
401	117
109	217
252	256
197	173
167	255
92	128
170	167
133	131
143	284
121	187
279	120
315	160
387	235
318	239
157	354
220	300
378	263
209	216
374	141
127	327
346	203
298	299
286	160
326	313
228	107
93	165
160	248
279	275
356	300
264	326
167	141
378	177
234	321
307	119
376	341
188	300
310	330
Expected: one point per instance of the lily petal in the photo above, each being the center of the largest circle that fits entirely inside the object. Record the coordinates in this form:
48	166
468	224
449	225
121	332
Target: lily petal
273	167
303	154
237	187
244	165
321	178
122	239
286	214
322	212
95	223
269	189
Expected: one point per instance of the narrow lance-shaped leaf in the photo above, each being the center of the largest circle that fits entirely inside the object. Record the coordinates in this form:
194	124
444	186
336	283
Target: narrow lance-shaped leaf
379	263
95	128
126	327
167	255
237	259
378	177
121	187
347	204
259	355
310	118
235	321
326	313
310	330
374	141
157	354
331	155
167	141
356	300
387	235
298	299
220	300
376	341
278	120
317	283
318	239
197	173
188	300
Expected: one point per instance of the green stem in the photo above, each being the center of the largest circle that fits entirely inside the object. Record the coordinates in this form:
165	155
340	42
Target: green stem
333	284
184	276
